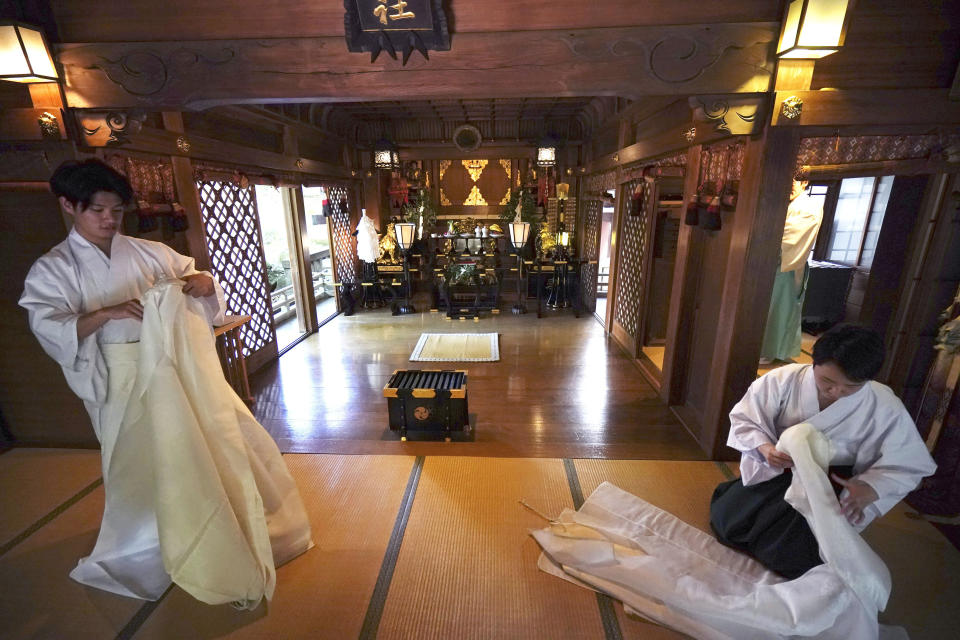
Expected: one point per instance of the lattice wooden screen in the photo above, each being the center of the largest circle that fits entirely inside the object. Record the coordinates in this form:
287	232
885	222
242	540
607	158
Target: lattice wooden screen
630	262
344	244
232	229
592	217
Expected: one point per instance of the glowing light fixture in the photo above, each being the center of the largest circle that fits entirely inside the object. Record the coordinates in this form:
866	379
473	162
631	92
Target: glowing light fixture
519	232
405	232
547	153
385	155
813	28
24	54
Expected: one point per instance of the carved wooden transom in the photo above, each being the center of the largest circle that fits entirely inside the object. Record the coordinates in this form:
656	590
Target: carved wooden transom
232	229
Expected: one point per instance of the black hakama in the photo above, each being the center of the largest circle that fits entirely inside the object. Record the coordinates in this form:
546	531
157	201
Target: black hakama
759	522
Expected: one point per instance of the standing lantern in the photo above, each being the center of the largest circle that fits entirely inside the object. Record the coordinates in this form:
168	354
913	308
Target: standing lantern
519	232
561	253
405	232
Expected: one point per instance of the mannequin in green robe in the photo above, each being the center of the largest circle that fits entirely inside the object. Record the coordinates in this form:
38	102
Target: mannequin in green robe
781	338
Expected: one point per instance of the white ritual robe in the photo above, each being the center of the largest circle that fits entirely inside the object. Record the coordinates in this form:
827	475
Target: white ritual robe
76	277
870	430
368	242
804	216
669	572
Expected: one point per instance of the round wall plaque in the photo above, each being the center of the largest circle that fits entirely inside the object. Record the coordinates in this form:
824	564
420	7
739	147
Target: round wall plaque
467	137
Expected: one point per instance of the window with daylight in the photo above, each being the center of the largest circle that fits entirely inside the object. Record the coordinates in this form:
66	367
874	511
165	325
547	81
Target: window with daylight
857	220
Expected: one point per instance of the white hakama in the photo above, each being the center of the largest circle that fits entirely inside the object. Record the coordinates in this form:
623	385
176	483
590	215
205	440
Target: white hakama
196	490
674	574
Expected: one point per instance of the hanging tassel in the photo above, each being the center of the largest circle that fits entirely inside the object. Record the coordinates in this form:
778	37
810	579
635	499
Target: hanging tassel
711	217
692	215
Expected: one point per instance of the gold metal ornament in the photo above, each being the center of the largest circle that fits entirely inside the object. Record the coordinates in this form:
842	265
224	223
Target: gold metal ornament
183	145
299	163
690	134
792	107
49	127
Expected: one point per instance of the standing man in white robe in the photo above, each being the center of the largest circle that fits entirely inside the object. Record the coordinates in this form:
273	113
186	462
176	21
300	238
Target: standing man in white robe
874	443
84	303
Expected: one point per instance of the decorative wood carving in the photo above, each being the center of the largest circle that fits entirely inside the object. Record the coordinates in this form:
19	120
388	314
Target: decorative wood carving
631	62
474	182
108	128
860	149
731	114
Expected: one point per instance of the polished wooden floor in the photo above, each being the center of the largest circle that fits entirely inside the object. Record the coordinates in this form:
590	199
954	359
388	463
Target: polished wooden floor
561	389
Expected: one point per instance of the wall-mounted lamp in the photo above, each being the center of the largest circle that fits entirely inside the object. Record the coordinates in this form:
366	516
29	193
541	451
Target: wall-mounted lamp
24	54
813	28
385	155
547	153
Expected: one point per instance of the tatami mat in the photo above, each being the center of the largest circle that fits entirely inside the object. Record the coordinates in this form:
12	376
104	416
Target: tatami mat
926	575
33	482
352	502
39	601
682	488
468	566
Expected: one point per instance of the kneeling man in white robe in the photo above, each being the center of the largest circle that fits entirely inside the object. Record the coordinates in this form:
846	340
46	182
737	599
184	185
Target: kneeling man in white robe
878	455
196	490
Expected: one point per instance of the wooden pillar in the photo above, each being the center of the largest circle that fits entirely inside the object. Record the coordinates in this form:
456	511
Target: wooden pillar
751	269
682	296
186	189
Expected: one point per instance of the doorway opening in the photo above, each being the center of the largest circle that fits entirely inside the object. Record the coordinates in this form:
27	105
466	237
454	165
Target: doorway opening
663	254
603	259
851	263
277	219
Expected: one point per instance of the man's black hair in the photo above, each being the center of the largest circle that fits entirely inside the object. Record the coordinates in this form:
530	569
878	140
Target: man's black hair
858	351
78	181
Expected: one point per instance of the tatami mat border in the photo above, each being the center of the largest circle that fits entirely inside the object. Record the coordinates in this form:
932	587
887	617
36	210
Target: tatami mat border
134	624
608	615
371	621
36	526
725	469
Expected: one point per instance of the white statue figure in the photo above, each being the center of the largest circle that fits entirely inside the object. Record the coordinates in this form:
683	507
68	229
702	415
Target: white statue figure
368	244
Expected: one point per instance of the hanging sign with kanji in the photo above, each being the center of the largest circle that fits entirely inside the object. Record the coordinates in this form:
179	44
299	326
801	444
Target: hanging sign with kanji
395	25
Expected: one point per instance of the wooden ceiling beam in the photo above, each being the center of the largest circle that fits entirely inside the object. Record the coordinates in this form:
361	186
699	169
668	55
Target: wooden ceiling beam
148	20
631	62
863	107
